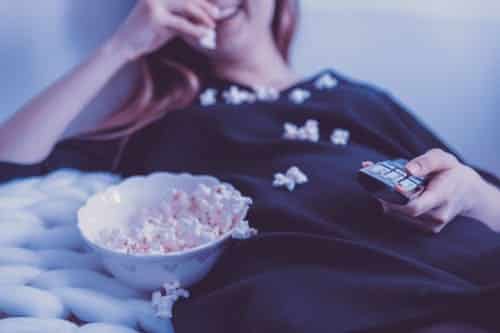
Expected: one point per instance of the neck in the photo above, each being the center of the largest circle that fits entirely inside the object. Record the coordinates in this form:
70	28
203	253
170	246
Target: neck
261	66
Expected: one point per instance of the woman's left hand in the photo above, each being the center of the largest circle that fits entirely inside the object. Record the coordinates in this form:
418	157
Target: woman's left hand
454	189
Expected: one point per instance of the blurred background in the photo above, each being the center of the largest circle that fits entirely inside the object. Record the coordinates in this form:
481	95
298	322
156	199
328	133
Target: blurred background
440	58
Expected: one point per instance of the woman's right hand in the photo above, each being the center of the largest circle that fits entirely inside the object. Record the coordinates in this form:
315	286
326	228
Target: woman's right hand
152	23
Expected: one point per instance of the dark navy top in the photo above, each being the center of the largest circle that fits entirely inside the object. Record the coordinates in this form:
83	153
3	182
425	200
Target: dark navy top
326	258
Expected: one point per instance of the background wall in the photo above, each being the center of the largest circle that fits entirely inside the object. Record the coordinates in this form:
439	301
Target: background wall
439	57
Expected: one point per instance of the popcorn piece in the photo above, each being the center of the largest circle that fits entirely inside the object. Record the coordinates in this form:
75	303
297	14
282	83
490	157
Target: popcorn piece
236	96
293	177
244	231
182	221
209	41
309	132
163	304
296	175
299	96
340	137
281	180
326	81
266	94
208	97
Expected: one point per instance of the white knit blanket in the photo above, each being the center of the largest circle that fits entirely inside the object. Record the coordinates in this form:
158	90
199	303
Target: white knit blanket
48	282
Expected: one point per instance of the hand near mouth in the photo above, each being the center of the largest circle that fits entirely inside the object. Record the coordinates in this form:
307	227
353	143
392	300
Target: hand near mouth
153	23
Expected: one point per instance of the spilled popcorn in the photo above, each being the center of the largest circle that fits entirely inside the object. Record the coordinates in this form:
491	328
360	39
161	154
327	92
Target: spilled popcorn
308	132
164	302
209	41
208	97
340	137
299	96
182	221
326	81
293	177
267	94
236	96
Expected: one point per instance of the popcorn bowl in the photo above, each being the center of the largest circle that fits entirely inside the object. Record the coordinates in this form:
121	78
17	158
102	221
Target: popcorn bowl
120	203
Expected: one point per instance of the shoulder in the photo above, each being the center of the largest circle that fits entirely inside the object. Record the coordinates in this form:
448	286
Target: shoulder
355	86
352	91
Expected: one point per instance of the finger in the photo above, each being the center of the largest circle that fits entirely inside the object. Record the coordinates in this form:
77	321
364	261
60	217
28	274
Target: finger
409	194
419	206
419	223
157	11
198	14
442	215
210	8
428	225
435	195
384	205
434	160
366	164
187	28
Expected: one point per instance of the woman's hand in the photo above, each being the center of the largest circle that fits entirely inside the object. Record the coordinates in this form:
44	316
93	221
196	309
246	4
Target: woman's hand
152	23
454	189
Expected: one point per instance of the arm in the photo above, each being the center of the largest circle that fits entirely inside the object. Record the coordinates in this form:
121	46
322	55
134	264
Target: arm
454	189
30	135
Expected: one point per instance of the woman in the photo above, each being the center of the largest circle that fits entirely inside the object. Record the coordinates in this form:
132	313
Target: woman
328	257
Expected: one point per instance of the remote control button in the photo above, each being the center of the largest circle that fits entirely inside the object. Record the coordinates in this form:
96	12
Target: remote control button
401	163
408	186
394	176
379	169
401	172
416	180
388	165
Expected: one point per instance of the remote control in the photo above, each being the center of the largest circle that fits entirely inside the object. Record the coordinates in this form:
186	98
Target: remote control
384	178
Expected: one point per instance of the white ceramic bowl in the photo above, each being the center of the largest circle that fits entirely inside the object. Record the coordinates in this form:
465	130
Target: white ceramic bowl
119	203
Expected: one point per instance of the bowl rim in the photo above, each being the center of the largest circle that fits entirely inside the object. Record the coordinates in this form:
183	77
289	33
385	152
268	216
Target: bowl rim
174	254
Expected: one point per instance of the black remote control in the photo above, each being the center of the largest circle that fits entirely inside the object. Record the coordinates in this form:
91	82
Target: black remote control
384	178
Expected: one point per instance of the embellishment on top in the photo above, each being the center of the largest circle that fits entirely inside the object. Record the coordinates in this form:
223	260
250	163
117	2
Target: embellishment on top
325	82
299	95
293	177
308	132
340	137
266	94
208	97
243	231
237	96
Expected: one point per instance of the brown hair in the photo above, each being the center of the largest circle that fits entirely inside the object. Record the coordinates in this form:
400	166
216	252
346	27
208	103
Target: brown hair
185	69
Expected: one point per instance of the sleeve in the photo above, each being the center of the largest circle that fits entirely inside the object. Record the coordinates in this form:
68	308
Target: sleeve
426	137
85	155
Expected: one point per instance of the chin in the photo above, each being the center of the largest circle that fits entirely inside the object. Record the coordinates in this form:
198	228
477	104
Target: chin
230	49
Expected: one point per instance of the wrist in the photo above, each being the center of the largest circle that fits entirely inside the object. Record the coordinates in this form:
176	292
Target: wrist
487	205
118	51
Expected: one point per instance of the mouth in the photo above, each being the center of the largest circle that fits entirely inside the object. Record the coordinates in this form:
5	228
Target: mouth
229	12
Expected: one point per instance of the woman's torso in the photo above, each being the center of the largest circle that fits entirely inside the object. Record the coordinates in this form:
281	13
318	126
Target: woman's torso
244	145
